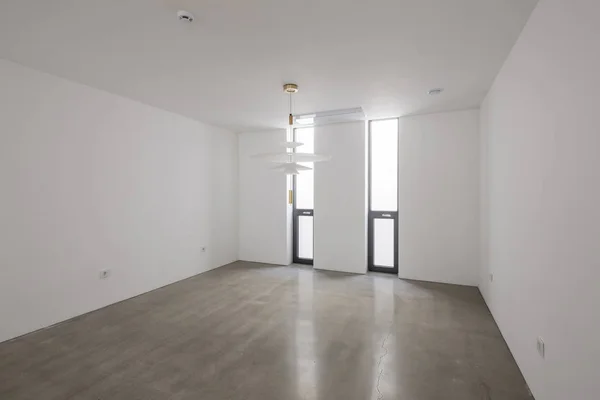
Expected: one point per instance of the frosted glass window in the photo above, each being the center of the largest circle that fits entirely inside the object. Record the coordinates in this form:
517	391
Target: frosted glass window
305	181
305	237
383	251
384	165
306	136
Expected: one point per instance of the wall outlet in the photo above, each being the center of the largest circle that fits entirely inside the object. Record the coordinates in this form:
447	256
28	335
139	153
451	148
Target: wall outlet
104	274
541	347
204	249
491	277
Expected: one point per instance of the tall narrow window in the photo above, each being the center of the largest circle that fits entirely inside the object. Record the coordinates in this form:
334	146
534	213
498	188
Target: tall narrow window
304	201
383	196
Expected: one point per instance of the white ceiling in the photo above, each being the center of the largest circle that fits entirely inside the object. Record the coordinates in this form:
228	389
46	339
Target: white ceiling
227	67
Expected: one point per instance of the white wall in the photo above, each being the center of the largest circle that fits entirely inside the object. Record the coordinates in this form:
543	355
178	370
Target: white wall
265	215
92	181
542	199
224	197
438	202
340	199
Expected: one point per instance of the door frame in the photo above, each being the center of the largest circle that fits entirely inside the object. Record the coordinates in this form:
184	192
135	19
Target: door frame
296	214
373	215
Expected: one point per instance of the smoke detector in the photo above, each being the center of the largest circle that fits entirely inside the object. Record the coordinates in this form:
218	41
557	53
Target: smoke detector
185	16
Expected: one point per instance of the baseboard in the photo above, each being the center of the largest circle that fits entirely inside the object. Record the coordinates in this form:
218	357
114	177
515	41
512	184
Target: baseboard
505	342
438	281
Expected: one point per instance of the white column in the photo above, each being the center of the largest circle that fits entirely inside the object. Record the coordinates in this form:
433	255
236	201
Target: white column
340	199
265	216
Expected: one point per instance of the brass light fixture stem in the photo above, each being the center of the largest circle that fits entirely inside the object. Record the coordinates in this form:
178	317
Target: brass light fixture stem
290	88
291	117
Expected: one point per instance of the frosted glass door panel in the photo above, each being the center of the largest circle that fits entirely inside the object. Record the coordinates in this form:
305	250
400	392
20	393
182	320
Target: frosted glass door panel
305	237
383	249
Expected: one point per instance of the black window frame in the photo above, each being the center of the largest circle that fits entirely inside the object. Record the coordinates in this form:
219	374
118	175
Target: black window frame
373	215
296	214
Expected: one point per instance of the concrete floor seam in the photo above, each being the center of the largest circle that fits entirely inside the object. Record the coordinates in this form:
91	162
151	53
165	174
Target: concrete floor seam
379	394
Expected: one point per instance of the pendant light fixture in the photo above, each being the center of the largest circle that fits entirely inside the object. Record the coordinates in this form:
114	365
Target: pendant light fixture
287	161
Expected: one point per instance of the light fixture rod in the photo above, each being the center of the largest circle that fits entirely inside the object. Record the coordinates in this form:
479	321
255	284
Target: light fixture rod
290	88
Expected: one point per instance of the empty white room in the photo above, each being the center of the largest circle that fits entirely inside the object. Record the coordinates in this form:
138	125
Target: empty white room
299	200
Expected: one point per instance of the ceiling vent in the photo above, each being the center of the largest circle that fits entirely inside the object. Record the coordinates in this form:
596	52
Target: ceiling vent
436	91
330	117
185	16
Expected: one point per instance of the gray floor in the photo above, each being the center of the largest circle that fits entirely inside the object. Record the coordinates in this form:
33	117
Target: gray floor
250	331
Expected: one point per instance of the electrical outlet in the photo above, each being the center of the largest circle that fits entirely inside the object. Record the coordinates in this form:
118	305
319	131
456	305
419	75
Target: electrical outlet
491	277
541	347
104	274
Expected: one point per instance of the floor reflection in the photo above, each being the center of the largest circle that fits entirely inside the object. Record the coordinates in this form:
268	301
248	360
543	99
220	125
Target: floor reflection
306	359
384	385
261	332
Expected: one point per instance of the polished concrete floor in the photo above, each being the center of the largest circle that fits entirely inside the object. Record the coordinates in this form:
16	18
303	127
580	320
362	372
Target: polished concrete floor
250	331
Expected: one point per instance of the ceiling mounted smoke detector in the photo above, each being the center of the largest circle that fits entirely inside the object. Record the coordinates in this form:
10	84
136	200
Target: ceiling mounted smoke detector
185	16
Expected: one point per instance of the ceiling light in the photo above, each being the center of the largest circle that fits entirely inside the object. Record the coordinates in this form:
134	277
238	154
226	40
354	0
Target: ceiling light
291	157
292	145
288	161
291	168
290	88
435	91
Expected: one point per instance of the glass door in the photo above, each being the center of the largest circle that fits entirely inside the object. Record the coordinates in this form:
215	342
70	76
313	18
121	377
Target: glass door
304	201
383	196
